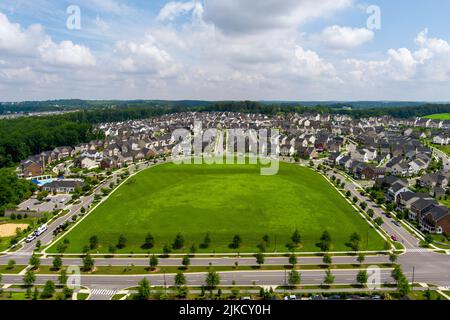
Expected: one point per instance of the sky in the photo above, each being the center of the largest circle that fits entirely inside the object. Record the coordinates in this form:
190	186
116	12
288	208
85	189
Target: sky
225	50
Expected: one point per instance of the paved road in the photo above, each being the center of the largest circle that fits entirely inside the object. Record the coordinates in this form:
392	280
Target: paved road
23	260
408	240
244	278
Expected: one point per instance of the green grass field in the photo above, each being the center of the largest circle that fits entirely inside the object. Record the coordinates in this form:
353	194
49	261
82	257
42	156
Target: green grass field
223	200
439	116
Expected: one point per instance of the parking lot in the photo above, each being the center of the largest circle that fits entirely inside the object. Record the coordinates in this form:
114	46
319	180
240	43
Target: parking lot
49	204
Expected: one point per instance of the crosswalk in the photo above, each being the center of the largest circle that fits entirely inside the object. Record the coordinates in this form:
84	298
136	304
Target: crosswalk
418	250
103	292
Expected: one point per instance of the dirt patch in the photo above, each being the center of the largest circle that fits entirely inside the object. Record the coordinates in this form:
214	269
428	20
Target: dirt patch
9	229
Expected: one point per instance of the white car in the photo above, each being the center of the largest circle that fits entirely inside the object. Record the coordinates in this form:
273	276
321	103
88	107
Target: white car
30	238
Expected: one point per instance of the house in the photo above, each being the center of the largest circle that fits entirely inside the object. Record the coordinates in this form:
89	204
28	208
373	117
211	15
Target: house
416	166
406	199
63	186
30	168
369	172
386	182
441	140
401	169
307	153
420	207
86	163
436	220
432	180
395	190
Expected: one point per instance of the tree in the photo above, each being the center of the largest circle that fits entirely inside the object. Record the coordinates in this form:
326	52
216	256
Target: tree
193	249
393	257
206	242
363	205
325	241
49	290
167	249
212	279
38	245
371	213
57	263
327	259
379	221
122	242
236	242
355	240
180	279
178	243
259	259
296	237
329	278
293	260
153	262
361	258
294	278
29	278
403	286
34	262
144	291
186	262
88	262
266	239
62	279
429	239
11	264
362	277
93	242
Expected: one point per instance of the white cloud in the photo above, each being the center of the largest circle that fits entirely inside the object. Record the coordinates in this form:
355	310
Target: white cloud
15	40
174	9
308	64
241	17
338	37
145	57
66	54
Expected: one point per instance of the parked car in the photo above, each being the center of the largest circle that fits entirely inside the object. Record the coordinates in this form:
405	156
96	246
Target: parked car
30	238
394	238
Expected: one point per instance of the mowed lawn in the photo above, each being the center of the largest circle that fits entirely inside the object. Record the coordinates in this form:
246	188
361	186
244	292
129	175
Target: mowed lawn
223	200
439	116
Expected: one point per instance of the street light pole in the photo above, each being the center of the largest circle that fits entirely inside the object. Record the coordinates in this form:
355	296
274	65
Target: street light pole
413	274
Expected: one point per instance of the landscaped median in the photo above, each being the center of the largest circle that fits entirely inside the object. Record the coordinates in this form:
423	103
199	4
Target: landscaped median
138	270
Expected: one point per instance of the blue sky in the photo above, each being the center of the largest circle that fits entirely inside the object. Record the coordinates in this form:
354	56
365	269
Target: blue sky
225	49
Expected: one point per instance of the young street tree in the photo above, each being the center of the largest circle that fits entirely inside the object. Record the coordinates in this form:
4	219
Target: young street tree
149	241
329	278
206	242
361	258
88	263
57	263
236	242
93	242
362	277
260	259
49	290
327	259
393	257
296	237
143	290
325	241
294	278
212	279
293	260
186	262
122	242
11	264
29	278
180	279
34	262
62	278
178	243
153	262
